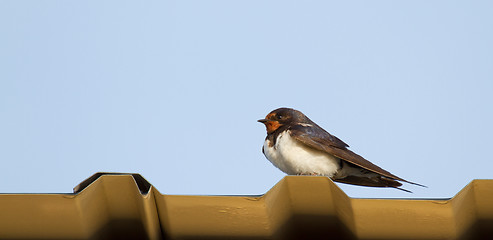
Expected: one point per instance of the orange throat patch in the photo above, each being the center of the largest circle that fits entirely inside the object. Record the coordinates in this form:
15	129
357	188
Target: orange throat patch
272	126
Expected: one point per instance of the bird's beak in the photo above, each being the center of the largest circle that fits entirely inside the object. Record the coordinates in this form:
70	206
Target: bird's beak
262	121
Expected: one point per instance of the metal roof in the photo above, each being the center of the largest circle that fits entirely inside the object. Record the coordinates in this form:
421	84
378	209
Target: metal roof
126	206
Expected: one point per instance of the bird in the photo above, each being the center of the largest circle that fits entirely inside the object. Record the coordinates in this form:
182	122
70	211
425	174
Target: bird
298	146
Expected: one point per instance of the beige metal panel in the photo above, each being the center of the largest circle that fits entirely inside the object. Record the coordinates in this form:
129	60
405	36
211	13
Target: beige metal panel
111	207
403	219
213	216
305	207
126	206
39	216
296	206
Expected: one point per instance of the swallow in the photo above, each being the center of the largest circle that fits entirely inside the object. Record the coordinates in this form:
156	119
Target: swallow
298	146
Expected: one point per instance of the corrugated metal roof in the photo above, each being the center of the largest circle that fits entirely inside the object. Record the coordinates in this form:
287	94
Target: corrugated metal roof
126	206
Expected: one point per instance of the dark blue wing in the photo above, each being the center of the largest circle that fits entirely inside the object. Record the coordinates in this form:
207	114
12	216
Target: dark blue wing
316	137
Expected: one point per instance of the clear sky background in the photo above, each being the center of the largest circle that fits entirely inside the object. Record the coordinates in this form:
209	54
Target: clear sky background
172	90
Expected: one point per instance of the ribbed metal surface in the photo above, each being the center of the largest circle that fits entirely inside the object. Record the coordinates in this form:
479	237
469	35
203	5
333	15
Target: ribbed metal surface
126	206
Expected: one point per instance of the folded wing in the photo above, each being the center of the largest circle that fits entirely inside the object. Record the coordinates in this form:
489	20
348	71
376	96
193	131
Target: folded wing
319	139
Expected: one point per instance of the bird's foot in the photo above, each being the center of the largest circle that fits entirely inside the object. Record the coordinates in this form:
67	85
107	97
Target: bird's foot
308	174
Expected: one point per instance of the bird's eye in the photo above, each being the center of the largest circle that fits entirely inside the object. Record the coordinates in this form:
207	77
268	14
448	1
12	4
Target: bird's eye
279	117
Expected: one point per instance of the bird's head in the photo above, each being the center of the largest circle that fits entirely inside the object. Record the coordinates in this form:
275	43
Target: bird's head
281	117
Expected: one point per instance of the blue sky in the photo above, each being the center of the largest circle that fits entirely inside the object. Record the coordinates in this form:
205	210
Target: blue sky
172	90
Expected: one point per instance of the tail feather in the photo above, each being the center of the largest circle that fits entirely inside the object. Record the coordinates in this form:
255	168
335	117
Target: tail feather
403	189
417	184
379	181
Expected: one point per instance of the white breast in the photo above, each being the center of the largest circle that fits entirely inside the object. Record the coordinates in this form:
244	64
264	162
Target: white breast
293	157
